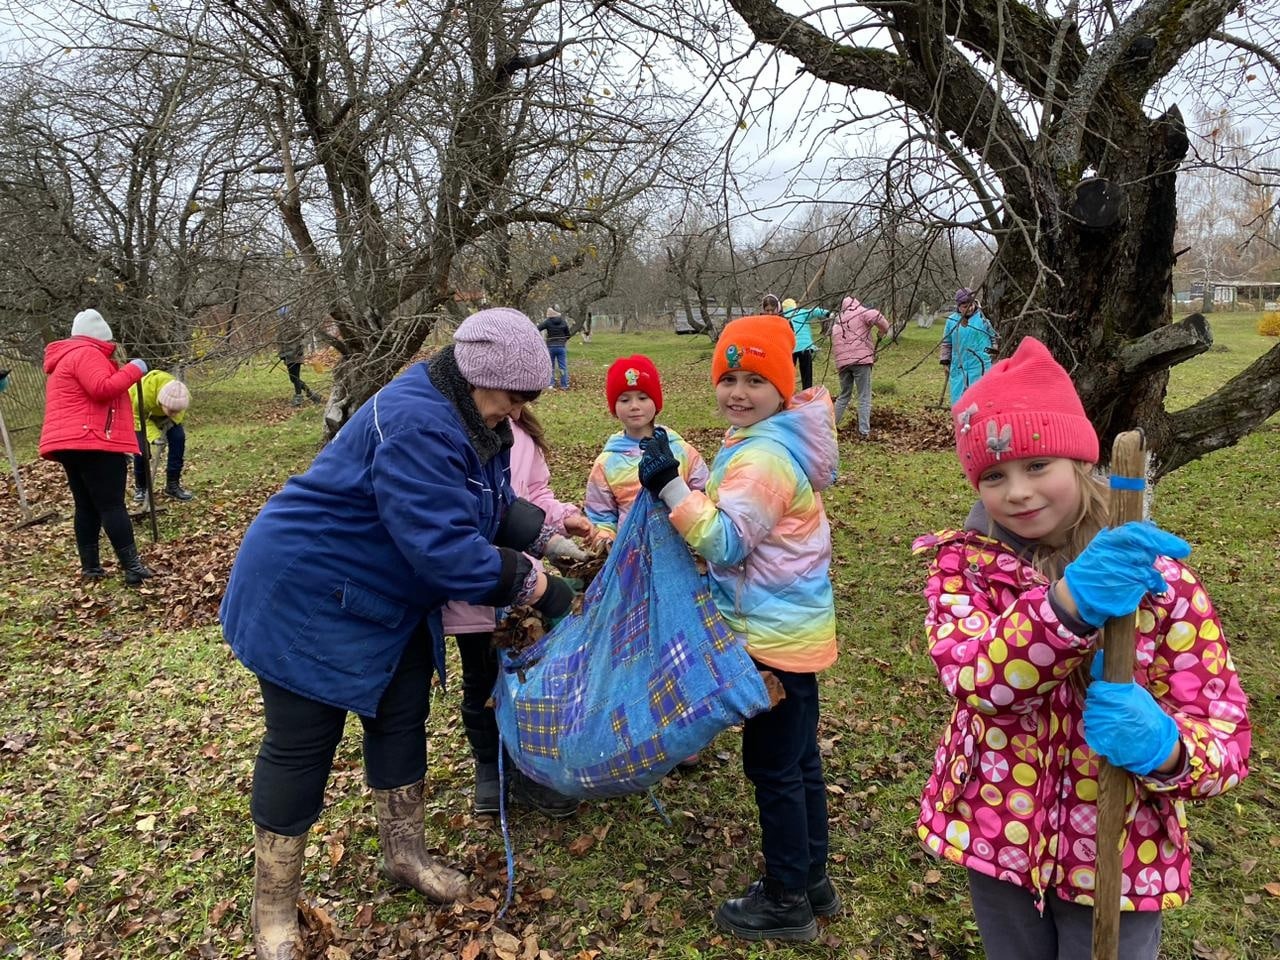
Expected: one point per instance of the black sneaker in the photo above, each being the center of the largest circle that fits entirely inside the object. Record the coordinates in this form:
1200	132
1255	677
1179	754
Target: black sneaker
528	793
768	912
139	494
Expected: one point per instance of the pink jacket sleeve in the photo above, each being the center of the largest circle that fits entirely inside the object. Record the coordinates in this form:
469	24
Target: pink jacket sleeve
1194	679
531	479
965	625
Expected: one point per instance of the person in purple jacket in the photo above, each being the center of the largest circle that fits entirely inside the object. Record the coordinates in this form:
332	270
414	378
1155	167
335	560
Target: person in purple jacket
335	595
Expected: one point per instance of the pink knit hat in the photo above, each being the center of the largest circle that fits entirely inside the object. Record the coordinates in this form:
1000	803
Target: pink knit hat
501	349
1024	406
174	396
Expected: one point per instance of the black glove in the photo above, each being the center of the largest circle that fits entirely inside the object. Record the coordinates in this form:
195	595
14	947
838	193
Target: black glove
556	599
521	525
659	465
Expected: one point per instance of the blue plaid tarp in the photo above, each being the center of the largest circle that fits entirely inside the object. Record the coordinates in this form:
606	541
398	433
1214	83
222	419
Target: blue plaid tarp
612	699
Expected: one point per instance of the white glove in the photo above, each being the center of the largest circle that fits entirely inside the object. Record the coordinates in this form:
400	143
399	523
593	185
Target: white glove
562	548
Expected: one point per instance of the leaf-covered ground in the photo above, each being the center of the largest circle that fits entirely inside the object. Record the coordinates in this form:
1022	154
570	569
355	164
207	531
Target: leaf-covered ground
128	732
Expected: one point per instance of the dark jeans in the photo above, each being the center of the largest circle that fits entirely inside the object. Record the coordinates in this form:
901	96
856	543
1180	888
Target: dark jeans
302	736
780	757
479	674
804	360
1013	929
295	377
97	487
560	357
177	442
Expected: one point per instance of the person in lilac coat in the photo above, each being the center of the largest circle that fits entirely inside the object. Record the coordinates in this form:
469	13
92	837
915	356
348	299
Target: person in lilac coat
472	626
855	353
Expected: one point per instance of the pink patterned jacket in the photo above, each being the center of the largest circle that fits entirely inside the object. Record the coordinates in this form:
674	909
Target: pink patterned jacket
1013	788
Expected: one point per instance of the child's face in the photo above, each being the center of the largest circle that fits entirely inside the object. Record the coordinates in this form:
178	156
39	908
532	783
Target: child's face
745	398
1037	498
636	410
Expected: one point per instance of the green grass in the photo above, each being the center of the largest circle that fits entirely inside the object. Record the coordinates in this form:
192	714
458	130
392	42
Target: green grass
127	740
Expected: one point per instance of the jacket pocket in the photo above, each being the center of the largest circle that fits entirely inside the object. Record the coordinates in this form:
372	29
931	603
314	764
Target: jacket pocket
352	630
958	753
364	603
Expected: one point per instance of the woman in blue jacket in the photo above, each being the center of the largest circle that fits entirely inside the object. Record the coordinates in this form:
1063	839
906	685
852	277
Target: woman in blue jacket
335	595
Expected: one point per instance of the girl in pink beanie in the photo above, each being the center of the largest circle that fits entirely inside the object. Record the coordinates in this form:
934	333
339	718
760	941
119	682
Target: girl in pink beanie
1016	599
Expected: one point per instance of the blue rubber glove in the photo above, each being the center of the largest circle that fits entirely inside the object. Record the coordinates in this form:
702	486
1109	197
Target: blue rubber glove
140	364
659	465
1116	570
1123	723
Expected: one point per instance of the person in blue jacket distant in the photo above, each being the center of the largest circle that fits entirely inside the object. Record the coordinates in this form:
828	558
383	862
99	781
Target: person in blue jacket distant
968	345
334	597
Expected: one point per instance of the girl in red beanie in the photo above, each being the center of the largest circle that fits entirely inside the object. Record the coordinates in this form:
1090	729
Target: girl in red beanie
633	390
1015	603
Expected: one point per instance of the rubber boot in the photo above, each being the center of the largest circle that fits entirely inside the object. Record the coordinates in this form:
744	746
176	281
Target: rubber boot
134	570
313	396
768	912
277	881
177	491
404	854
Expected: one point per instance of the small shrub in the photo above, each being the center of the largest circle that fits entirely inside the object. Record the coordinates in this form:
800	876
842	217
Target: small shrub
1269	325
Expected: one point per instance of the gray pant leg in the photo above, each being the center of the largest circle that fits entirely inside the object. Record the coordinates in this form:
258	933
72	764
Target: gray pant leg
846	391
862	378
1012	928
1139	932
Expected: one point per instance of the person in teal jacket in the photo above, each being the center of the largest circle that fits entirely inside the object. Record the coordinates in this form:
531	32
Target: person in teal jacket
968	344
801	320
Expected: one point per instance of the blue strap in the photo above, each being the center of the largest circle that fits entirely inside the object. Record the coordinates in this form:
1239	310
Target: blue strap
1128	483
506	833
657	805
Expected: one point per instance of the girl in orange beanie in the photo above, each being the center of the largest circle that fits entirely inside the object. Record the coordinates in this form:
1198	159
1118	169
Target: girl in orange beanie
763	531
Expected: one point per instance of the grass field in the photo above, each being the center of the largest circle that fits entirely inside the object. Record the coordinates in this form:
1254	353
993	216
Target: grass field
128	731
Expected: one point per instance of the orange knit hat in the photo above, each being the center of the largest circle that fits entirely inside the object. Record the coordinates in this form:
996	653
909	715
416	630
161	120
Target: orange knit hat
762	344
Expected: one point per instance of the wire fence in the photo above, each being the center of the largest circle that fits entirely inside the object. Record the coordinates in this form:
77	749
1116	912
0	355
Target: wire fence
22	404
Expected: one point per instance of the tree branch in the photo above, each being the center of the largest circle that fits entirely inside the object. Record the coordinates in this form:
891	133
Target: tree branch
1166	346
1221	419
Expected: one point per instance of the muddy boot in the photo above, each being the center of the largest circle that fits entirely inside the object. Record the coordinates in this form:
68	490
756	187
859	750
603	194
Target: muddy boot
134	570
296	401
277	881
314	397
404	854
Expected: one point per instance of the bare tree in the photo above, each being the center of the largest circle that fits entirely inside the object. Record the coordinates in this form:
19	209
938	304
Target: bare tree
1042	118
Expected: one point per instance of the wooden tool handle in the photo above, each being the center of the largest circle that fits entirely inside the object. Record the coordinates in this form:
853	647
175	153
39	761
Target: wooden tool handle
1128	500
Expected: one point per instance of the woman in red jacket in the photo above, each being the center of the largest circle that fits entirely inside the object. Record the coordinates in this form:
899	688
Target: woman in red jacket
88	428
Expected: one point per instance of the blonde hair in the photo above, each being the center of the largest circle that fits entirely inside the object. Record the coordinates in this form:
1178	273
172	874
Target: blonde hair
1092	515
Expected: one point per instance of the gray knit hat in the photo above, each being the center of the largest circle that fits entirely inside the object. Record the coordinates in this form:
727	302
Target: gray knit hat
501	349
89	323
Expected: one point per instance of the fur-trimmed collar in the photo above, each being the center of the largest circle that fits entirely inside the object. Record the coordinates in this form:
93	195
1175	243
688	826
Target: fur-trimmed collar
448	379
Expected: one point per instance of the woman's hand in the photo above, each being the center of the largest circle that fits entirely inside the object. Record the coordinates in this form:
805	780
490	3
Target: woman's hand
578	526
600	537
